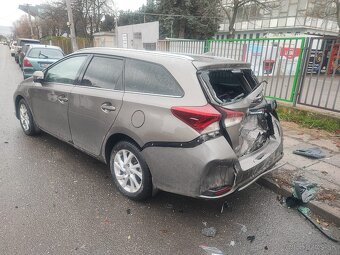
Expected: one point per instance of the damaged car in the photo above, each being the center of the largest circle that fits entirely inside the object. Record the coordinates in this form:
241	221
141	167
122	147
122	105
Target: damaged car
194	125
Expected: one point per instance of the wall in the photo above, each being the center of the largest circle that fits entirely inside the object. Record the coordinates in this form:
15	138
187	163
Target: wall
139	36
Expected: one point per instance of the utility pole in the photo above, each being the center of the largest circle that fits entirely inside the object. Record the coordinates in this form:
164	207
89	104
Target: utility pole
71	24
30	20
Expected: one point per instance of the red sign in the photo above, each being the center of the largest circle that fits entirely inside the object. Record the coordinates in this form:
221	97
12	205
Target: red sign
290	53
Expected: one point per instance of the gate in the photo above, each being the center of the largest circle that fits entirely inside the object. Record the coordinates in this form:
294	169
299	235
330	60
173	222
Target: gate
320	82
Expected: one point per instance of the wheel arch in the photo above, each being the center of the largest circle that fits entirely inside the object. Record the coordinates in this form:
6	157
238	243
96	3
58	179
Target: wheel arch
17	100
113	140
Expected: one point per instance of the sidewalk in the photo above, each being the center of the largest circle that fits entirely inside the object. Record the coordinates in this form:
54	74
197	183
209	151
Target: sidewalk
324	172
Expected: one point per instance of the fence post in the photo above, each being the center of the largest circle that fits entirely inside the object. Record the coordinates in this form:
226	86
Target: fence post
206	46
297	71
305	48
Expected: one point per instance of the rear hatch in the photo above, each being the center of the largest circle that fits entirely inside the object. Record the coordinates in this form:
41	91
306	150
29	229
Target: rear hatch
238	95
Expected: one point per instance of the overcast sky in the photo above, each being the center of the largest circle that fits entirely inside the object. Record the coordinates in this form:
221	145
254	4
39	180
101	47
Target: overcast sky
9	11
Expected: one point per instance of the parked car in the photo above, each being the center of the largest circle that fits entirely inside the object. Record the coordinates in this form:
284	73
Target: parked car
39	57
13	48
192	125
20	43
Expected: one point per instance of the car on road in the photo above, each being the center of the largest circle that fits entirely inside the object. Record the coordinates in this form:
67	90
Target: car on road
13	48
20	43
194	125
39	57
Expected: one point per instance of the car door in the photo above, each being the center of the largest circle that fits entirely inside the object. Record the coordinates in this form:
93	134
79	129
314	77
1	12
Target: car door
95	102
49	99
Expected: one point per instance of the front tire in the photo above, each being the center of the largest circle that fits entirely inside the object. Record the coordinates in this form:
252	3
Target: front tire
26	119
130	172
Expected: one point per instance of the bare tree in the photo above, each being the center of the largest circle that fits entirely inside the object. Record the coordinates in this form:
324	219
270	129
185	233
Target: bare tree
326	9
231	9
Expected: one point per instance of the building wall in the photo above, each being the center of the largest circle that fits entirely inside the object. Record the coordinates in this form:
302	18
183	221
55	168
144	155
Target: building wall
292	16
139	36
104	40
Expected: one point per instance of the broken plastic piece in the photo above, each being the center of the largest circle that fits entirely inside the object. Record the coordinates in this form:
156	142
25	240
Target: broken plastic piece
209	232
306	212
314	152
243	228
211	250
251	238
232	243
304	190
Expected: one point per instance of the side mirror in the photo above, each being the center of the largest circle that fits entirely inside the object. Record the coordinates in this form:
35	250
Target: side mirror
38	76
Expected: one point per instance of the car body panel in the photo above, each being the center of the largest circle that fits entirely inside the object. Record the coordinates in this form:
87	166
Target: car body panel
89	123
49	111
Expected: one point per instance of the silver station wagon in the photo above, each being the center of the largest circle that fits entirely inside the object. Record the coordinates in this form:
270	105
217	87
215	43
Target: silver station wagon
192	125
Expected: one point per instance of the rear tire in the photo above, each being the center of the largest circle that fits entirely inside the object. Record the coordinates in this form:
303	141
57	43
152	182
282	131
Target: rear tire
26	119
130	172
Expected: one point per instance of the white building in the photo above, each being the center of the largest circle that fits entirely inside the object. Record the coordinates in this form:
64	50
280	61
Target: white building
291	17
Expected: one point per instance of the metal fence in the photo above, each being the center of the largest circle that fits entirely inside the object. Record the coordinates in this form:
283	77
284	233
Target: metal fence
320	82
276	60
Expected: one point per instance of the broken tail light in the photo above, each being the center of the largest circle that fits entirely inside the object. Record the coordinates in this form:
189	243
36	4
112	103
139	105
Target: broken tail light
232	117
198	117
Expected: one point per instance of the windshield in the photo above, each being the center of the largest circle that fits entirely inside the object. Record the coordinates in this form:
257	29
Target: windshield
228	85
45	53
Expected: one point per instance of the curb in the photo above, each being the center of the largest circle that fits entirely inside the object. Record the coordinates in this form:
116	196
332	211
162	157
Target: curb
324	210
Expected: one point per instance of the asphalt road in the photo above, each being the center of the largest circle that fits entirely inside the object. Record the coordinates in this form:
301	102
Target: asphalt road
55	199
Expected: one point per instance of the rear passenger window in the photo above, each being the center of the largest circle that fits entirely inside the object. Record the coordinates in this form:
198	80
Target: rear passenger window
104	72
145	77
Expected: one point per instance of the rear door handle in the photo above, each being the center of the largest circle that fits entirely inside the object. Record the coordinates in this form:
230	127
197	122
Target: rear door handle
62	99
107	107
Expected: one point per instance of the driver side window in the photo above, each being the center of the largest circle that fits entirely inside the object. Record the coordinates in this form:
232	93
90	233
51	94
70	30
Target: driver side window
66	71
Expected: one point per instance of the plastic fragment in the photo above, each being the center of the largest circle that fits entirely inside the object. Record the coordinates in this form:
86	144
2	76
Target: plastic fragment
304	190
209	232
232	243
211	250
251	238
243	228
314	152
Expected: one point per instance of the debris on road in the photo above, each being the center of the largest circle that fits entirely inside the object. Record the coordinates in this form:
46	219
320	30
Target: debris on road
266	248
224	205
211	250
169	206
232	243
304	190
209	232
128	211
204	223
243	228
251	238
307	214
6	142
314	152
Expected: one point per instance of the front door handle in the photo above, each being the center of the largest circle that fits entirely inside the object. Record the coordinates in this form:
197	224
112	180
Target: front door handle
107	107
62	99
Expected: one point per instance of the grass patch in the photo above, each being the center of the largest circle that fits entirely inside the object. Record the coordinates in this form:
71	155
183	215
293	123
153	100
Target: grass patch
309	119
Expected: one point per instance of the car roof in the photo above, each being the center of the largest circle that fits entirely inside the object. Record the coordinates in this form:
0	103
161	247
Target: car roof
199	61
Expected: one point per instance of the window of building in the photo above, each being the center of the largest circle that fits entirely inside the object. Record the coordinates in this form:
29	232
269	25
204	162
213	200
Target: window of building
222	37
257	35
104	72
238	36
244	36
137	35
292	10
250	36
145	77
217	37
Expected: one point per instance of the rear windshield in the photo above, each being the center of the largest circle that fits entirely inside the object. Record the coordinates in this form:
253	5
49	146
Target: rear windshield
23	42
227	85
45	53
